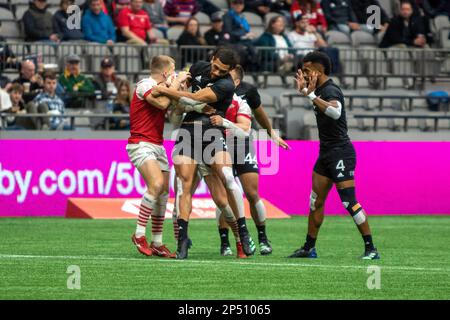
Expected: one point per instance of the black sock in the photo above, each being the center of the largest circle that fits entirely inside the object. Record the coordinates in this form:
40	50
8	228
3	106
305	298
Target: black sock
310	242
368	244
261	233
182	229
223	232
242	224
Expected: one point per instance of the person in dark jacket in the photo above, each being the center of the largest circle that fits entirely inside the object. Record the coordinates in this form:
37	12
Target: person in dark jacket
434	8
359	8
191	37
405	30
339	15
281	59
60	23
38	23
216	36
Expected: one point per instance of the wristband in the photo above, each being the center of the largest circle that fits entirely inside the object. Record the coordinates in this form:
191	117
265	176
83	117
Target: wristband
312	96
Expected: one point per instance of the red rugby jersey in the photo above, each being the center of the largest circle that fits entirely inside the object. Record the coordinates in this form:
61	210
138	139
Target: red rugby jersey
146	121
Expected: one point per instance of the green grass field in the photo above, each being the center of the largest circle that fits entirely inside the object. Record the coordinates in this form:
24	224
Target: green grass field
36	252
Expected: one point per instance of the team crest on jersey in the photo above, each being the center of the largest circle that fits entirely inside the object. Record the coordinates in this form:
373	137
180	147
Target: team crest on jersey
198	78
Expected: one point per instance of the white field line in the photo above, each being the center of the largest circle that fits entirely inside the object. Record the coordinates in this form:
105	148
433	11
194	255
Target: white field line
222	263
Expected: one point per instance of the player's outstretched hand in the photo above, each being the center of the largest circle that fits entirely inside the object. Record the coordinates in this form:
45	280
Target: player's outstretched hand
300	80
208	110
183	76
282	144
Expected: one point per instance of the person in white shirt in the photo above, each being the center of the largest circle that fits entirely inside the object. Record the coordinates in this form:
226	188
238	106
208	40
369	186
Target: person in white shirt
305	37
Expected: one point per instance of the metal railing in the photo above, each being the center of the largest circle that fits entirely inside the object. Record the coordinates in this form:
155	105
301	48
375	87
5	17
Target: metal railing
373	63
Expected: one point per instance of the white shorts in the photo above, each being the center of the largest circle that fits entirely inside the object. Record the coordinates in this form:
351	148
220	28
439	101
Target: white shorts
203	170
142	151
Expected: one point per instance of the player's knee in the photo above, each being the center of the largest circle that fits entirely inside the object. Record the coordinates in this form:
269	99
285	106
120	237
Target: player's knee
252	196
315	202
350	203
156	187
228	177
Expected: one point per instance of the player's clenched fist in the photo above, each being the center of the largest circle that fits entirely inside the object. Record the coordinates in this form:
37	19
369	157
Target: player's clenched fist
216	120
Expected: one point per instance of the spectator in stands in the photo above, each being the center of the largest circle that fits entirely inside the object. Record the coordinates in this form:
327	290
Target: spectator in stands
305	37
157	16
135	25
280	59
216	36
235	23
96	25
191	37
405	30
434	8
76	85
262	7
17	106
38	23
30	80
121	105
179	11
107	81
7	57
312	11
48	100
115	6
359	8
60	23
340	16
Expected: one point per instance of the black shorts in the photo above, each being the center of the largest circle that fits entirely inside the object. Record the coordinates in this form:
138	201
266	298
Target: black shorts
338	163
244	157
200	143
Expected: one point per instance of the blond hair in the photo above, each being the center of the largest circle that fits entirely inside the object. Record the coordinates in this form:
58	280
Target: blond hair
161	63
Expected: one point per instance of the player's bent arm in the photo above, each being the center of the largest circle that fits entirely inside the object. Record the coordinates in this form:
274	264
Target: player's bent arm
263	120
237	129
205	95
331	108
162	102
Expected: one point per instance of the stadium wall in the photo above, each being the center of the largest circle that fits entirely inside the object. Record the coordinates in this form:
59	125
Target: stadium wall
38	176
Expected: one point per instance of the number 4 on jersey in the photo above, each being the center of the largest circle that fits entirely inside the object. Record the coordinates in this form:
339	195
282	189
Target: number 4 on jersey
340	165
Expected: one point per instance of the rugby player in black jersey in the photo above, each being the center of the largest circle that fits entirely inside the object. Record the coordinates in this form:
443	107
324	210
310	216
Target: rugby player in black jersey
246	165
337	159
201	142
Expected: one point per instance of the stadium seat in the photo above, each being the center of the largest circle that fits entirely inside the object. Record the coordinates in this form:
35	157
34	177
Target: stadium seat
173	33
6	14
441	22
158	33
257	30
128	58
269	16
350	61
445	41
20	10
11	29
388	6
203	18
253	19
334	38
221	4
360	38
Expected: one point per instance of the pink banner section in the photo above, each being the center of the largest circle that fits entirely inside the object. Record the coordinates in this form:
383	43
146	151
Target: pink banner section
38	176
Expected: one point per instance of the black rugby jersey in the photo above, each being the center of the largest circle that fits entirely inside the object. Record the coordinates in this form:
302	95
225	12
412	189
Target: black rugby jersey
332	133
249	93
222	87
